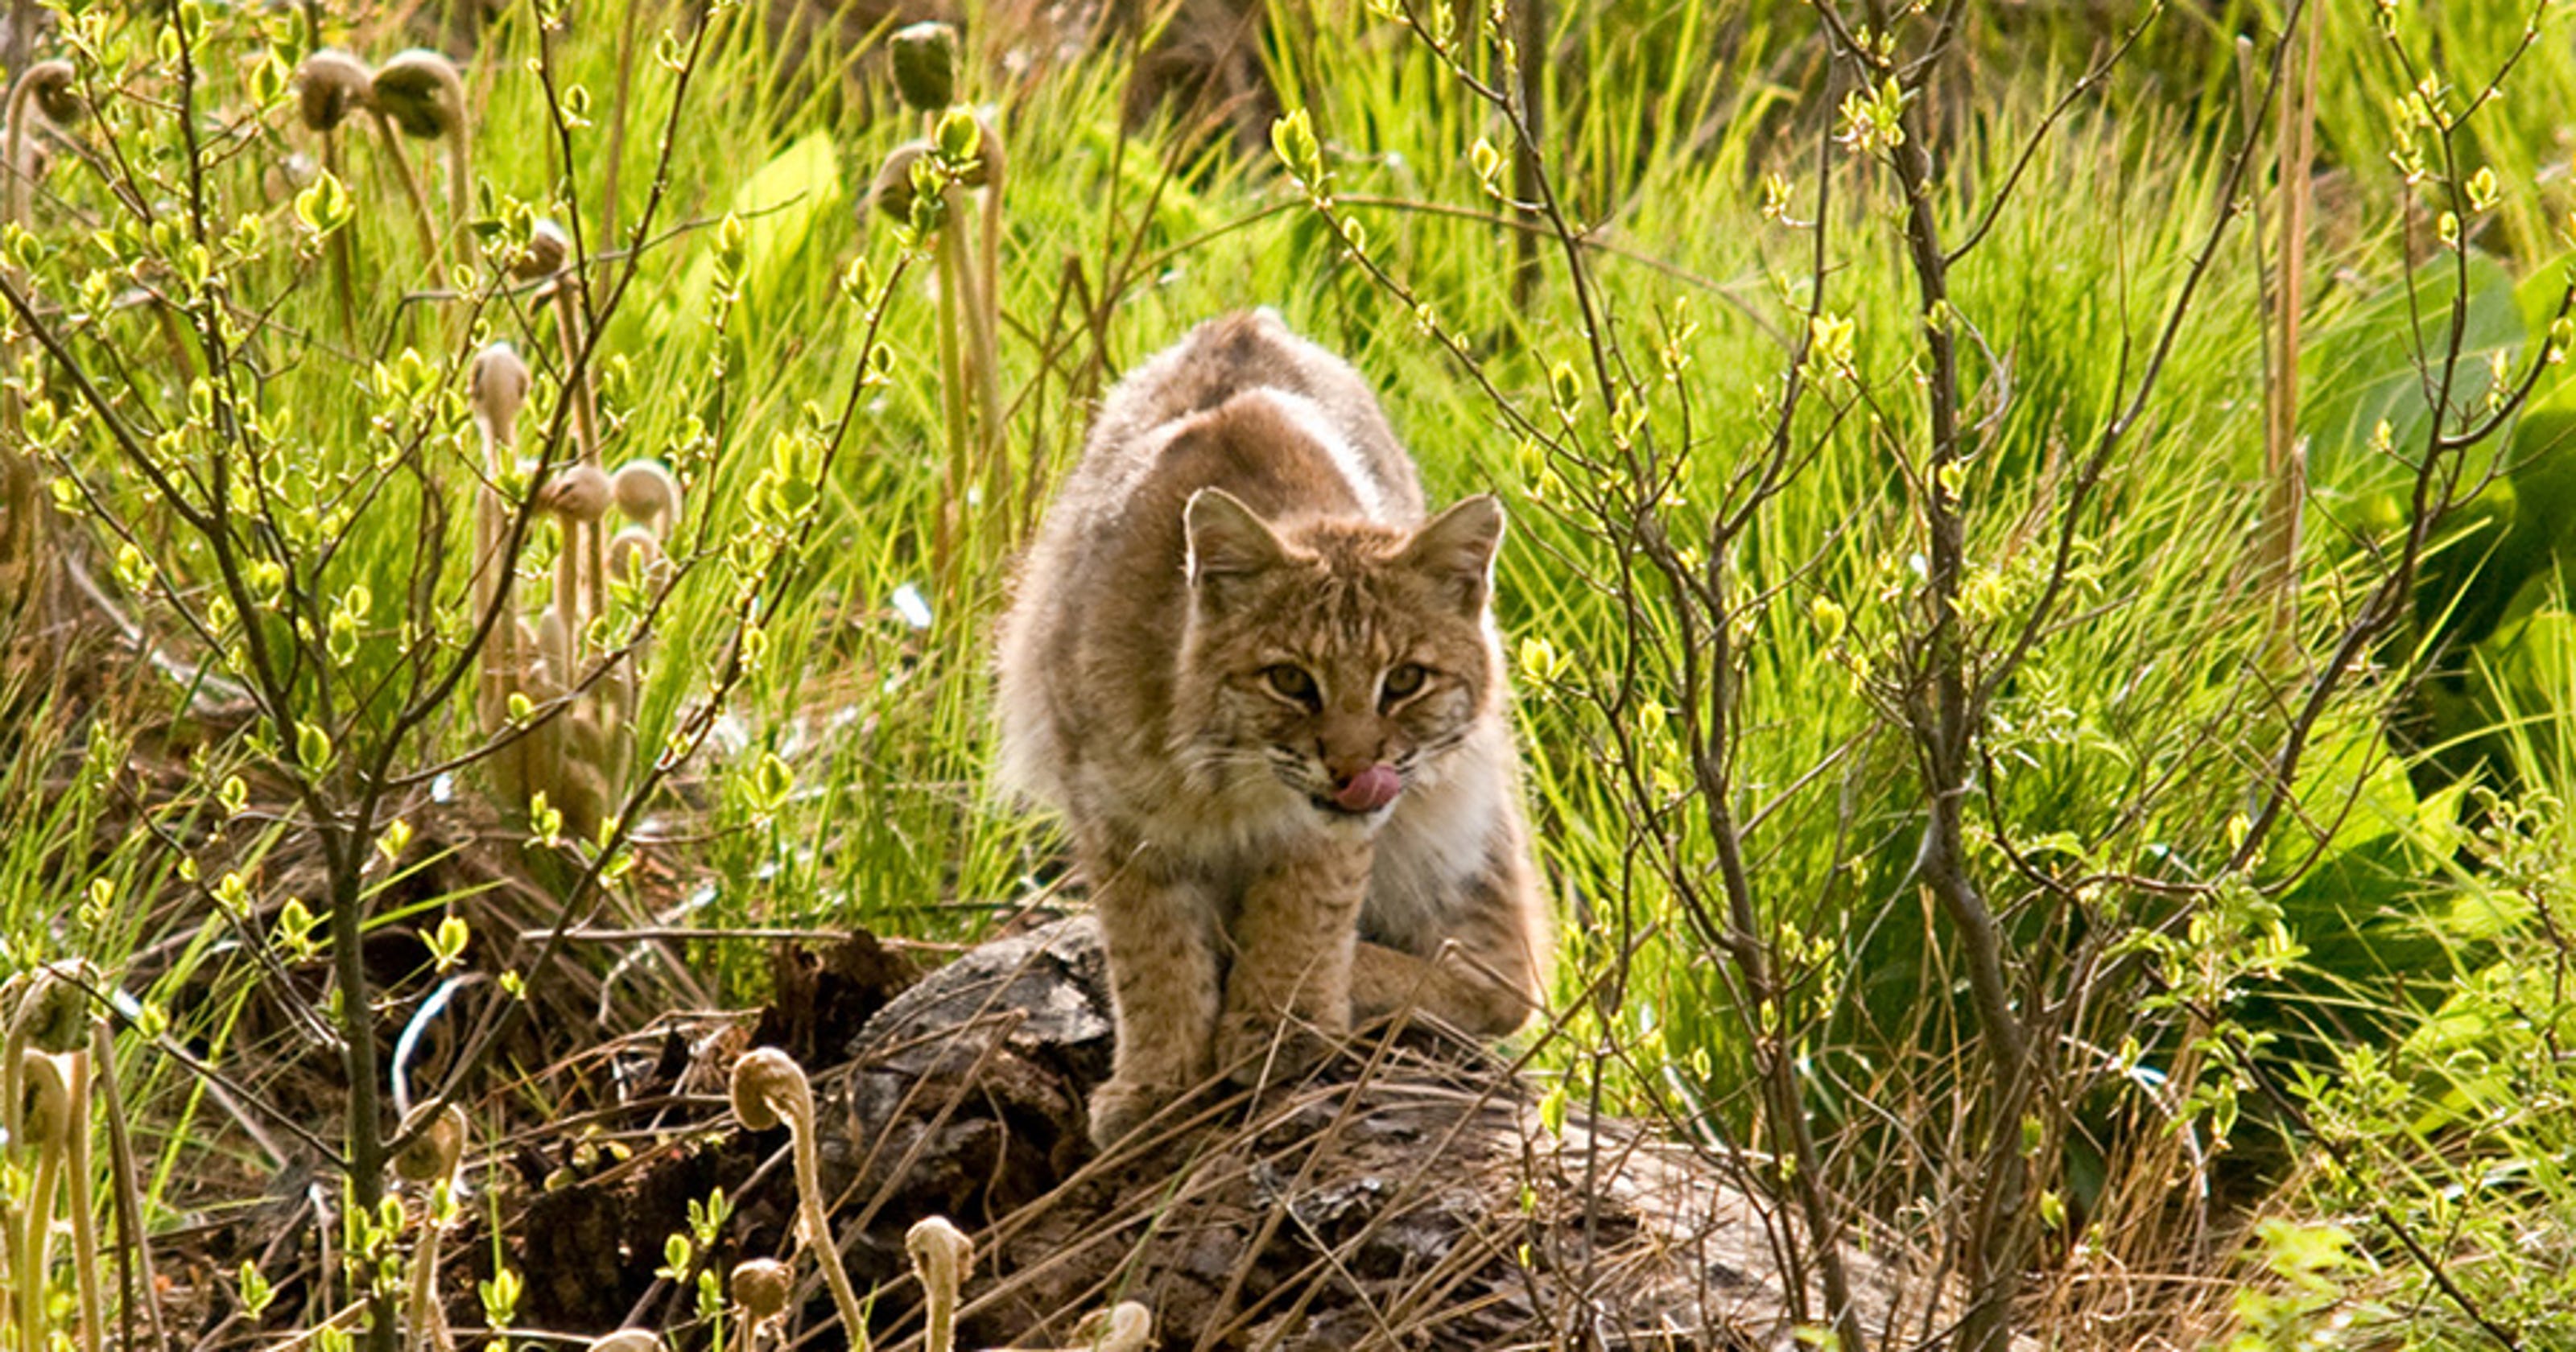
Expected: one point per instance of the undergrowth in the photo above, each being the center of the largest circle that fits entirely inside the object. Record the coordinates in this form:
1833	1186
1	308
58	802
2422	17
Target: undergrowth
1961	824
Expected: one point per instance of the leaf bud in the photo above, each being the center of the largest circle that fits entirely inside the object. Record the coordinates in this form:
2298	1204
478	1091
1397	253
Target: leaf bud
1126	1327
498	385
925	65
634	554
647	493
53	1009
48	1104
434	1153
547	250
761	1286
422	92
578	492
938	1247
49	83
331	85
769	1088
892	192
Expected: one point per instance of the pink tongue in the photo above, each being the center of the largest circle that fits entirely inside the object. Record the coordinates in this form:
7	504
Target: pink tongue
1369	790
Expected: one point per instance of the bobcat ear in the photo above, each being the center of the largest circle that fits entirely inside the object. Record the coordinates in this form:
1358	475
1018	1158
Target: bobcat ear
1225	538
1456	551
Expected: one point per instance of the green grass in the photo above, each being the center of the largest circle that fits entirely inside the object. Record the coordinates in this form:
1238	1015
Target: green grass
2124	753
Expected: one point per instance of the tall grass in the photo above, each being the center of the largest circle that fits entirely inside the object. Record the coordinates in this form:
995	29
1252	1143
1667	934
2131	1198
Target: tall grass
2210	1036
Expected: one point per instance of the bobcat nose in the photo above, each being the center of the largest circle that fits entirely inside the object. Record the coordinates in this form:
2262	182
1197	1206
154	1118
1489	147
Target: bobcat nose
1342	764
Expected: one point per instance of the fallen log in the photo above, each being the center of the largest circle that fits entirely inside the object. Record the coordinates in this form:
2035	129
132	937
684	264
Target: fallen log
1412	1194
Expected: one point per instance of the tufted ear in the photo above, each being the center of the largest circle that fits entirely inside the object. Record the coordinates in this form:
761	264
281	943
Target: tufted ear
1226	540
1456	550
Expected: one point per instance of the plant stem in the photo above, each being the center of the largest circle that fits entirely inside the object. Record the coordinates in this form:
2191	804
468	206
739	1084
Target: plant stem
2284	460
13	1101
343	283
1943	736
987	293
410	185
945	541
574	337
428	1327
504	658
22	535
134	1254
818	1229
1944	731
617	109
22	34
1529	34
78	1189
492	702
985	469
460	188
34	1239
568	616
344	855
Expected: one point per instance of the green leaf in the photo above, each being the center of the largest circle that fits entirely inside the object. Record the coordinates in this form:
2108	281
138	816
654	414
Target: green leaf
256	1290
447	942
959	140
788	208
1292	137
312	746
2372	367
770	783
323	206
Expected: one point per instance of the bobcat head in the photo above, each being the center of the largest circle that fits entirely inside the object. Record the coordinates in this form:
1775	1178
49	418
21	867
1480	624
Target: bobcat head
1341	657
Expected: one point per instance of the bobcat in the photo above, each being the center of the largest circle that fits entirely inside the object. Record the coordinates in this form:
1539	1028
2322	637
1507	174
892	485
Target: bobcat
1268	699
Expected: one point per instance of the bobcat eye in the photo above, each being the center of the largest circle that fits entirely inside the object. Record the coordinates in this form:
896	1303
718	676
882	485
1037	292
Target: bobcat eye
1405	680
1290	682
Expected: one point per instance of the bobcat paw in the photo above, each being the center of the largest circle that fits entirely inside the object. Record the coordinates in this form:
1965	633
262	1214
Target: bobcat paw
1261	1049
1120	1106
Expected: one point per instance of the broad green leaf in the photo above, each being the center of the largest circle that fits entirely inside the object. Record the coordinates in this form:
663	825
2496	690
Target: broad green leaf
798	199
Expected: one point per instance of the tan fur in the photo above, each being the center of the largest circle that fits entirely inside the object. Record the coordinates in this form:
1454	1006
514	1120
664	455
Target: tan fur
1242	507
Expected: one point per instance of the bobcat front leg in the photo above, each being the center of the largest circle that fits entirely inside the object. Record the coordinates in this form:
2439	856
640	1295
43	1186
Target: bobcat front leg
1450	988
1289	995
1483	978
1163	972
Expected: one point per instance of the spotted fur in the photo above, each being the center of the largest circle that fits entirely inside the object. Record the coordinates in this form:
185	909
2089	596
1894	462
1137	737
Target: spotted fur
1234	638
